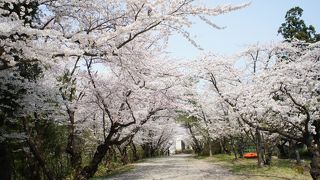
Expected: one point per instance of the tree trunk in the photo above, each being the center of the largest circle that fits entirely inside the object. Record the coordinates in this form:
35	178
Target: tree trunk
314	148
315	165
210	147
125	159
269	156
89	170
38	156
282	152
72	146
224	148
241	146
5	171
147	150
221	147
291	149
134	152
109	158
298	158
198	148
234	149
259	148
124	156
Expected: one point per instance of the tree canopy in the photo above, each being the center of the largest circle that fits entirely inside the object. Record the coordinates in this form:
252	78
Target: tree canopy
295	28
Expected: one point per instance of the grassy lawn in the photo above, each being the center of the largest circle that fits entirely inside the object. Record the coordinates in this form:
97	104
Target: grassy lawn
247	168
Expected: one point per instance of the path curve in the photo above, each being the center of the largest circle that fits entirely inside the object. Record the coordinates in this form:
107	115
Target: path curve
180	167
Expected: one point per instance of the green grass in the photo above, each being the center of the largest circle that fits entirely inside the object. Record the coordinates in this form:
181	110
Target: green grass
280	168
118	168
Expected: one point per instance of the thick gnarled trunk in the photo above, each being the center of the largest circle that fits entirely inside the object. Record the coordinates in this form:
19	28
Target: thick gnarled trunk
89	170
315	164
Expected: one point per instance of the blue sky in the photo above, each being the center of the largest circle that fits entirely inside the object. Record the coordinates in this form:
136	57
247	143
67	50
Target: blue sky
257	23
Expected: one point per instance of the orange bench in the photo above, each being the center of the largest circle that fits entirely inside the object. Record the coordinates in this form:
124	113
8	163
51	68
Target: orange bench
250	155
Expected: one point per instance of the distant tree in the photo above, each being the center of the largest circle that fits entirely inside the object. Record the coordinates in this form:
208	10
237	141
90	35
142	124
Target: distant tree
192	124
295	28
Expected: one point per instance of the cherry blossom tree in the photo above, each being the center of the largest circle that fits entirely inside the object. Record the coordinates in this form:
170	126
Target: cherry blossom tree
279	98
223	85
100	57
284	100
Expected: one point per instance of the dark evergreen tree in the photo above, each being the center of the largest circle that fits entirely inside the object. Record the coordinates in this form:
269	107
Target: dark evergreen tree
295	27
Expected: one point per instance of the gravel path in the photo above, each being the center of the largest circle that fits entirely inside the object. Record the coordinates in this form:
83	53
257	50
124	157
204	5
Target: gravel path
182	167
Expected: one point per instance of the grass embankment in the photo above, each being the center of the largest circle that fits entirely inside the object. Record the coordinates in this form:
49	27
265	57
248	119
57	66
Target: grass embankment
103	172
115	168
247	168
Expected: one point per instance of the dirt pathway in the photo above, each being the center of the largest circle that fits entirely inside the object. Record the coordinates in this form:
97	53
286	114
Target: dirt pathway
183	167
